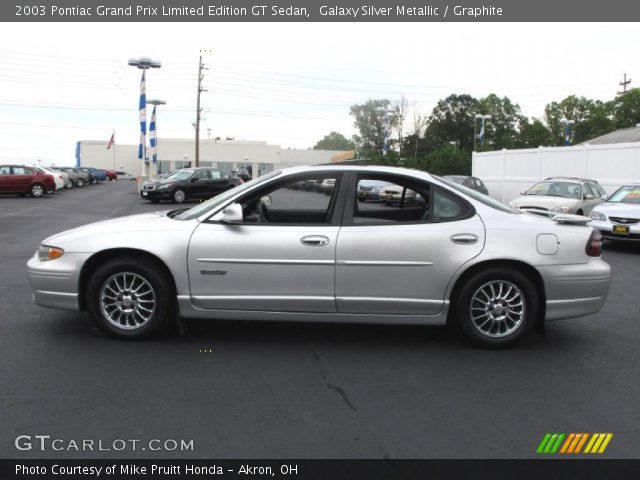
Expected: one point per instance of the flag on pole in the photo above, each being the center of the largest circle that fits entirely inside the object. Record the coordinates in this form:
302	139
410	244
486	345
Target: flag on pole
153	138
481	135
142	147
112	140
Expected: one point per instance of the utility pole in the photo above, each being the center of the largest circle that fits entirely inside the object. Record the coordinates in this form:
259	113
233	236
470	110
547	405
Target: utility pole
201	68
624	84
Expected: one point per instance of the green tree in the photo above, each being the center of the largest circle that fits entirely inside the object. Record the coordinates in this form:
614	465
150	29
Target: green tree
369	120
451	121
502	130
334	141
447	160
592	118
626	109
533	134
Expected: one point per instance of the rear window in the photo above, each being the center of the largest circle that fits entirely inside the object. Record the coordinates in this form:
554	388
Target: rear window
480	197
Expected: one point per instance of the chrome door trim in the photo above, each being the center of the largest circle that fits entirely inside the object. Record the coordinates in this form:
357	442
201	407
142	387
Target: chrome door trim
391	299
260	297
266	261
382	263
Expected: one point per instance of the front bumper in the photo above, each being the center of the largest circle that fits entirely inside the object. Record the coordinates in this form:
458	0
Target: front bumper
55	282
575	290
156	194
606	229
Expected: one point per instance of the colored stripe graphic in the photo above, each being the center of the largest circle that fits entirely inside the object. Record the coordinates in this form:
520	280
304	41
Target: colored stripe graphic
573	443
550	443
598	442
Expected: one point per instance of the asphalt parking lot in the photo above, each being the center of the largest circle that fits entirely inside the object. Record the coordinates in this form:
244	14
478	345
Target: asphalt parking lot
281	390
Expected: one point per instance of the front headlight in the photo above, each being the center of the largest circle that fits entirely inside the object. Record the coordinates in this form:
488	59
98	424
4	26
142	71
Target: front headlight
163	187
599	217
46	253
560	209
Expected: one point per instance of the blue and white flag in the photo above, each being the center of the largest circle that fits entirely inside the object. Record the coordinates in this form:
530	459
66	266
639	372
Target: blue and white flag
142	147
153	138
481	135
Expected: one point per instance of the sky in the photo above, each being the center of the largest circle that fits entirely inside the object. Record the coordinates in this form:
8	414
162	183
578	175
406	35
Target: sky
288	84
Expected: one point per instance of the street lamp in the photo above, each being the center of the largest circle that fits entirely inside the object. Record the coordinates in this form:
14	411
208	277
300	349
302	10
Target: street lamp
567	130
153	130
482	118
144	64
386	111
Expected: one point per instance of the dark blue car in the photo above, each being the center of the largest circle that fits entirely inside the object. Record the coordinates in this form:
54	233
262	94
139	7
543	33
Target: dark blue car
99	175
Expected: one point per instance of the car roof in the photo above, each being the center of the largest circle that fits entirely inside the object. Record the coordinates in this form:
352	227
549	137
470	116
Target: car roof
358	167
572	179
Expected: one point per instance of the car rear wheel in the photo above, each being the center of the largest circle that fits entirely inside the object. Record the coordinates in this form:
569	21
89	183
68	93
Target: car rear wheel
178	196
496	307
69	186
36	190
129	297
80	182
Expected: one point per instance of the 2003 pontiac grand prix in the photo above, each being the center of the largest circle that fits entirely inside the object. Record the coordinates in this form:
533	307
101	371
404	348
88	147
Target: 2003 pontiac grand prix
262	251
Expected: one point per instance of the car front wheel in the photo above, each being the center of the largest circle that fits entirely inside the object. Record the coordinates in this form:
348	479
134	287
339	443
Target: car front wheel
496	307
178	196
80	182
130	297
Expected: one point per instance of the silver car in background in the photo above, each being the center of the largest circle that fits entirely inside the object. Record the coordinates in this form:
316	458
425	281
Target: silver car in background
561	195
263	251
619	217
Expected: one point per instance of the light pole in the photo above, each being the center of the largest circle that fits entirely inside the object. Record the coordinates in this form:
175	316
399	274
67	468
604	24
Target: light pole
482	118
153	130
567	130
144	64
386	111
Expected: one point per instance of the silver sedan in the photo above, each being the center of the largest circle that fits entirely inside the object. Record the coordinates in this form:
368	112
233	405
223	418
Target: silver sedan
263	251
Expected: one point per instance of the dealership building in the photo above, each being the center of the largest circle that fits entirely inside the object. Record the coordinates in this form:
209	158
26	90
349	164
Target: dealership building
225	155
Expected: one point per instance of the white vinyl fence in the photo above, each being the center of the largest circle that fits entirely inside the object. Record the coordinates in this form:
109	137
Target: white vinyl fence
509	172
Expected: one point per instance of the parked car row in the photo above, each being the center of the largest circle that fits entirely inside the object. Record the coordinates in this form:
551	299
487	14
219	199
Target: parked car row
617	217
38	180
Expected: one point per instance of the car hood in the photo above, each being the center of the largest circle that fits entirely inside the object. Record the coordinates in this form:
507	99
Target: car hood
543	201
81	238
619	209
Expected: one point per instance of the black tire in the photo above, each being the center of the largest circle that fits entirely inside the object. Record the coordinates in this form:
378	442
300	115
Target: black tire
162	286
464	301
178	196
80	183
36	190
361	199
69	186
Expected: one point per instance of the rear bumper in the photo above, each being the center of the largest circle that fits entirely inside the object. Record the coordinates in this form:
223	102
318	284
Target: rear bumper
576	290
55	283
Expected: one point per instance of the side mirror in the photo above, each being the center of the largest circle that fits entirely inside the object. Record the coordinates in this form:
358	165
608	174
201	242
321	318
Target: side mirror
605	197
523	193
588	196
194	180
231	214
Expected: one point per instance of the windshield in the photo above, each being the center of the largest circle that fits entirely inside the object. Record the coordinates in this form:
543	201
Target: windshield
626	195
480	197
555	189
180	175
214	202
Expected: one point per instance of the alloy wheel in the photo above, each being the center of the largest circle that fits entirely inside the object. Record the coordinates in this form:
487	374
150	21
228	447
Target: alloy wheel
497	308
127	300
37	190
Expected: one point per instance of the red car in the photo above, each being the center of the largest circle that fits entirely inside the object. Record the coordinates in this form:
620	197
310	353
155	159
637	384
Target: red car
22	180
111	175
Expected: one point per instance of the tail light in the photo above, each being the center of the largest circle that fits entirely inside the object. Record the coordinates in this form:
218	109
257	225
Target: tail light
594	245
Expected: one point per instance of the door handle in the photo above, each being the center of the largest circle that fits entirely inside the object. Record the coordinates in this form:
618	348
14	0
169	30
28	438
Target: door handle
315	240
464	238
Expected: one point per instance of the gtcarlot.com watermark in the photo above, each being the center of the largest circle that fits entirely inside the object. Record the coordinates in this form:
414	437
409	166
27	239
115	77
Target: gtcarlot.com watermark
48	443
